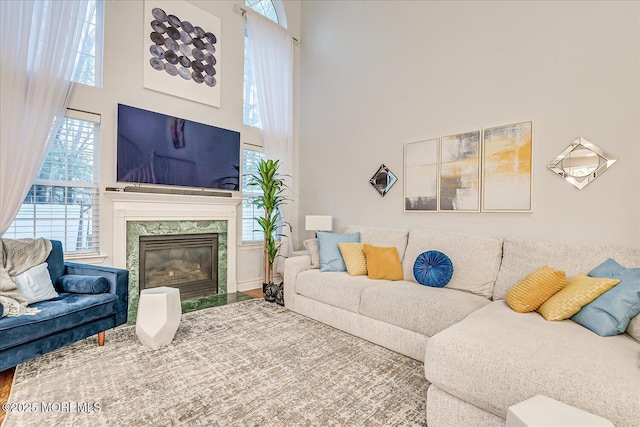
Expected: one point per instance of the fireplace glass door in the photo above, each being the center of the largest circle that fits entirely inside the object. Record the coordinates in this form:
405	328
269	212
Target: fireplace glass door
188	262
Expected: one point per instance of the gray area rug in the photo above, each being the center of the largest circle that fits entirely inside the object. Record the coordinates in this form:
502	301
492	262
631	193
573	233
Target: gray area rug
252	363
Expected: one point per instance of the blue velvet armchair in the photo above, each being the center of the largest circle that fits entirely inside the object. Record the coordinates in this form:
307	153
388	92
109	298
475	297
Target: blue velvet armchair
91	300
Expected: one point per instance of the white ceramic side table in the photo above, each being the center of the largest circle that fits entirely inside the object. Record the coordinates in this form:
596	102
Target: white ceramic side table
544	411
158	319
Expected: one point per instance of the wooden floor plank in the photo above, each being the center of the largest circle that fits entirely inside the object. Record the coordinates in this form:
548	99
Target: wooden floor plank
6	379
255	293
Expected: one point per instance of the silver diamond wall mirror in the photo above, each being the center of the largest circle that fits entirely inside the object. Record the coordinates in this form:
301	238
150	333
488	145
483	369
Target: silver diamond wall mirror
581	162
383	180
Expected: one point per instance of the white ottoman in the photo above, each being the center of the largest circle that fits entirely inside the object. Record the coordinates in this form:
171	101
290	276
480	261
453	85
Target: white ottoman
544	411
159	312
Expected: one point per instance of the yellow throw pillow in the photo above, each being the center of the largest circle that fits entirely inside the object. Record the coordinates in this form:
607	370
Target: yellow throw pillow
354	259
383	263
535	289
580	291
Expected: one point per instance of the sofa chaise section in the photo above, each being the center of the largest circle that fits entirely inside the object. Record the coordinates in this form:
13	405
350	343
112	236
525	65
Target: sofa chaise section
496	358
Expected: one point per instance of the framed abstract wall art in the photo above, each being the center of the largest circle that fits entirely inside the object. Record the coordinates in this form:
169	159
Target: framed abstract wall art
421	176
181	55
459	189
507	168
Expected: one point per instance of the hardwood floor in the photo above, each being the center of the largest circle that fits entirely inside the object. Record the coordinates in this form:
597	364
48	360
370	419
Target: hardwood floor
6	377
255	293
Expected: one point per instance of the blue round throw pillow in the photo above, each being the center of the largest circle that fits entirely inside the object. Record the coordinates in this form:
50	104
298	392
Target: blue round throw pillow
433	268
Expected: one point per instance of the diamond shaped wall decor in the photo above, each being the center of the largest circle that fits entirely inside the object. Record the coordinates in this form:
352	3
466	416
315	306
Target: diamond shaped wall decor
581	162
383	180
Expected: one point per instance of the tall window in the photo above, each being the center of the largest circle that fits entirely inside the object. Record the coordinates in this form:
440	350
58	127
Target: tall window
251	115
62	203
251	231
89	70
89	58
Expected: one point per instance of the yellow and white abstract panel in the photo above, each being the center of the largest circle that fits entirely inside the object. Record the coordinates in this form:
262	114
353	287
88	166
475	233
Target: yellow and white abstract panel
460	172
507	154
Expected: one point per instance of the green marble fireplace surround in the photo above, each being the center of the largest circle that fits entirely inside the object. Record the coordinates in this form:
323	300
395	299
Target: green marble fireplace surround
152	212
135	229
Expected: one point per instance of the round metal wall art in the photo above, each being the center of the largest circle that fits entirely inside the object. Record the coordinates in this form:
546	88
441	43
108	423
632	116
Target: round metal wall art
182	49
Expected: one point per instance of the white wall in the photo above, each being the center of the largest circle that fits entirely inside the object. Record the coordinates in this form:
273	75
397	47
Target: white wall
379	74
123	84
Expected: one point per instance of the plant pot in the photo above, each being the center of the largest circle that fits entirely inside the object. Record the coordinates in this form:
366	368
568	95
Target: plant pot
270	292
280	294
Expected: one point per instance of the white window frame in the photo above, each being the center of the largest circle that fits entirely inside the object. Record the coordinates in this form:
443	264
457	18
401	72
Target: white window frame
98	47
248	195
16	229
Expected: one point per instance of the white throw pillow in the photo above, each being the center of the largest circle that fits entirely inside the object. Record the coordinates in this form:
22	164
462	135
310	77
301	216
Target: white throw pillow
311	246
35	284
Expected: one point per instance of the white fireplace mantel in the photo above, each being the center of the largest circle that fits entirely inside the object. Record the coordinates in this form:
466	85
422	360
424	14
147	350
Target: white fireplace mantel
134	206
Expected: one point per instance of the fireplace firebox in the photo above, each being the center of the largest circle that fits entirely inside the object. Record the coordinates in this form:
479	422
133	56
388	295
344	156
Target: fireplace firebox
188	262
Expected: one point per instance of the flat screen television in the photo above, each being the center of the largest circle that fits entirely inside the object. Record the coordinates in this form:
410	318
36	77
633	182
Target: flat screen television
154	148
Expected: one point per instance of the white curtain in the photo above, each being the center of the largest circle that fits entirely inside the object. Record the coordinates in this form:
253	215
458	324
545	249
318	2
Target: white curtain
39	41
271	53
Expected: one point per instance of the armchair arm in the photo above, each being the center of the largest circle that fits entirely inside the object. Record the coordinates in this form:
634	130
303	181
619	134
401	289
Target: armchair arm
118	284
293	266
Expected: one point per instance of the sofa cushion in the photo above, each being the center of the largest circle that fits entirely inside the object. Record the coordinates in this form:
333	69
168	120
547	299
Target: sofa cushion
311	245
521	257
611	313
35	284
330	257
335	288
634	328
83	284
354	258
433	268
383	262
65	312
532	291
380	236
476	258
55	261
579	291
421	309
495	358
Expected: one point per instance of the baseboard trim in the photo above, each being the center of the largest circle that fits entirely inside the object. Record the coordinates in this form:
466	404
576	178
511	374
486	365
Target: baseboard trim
249	285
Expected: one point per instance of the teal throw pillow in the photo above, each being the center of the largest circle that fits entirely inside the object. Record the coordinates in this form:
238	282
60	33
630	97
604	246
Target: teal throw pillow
330	256
611	312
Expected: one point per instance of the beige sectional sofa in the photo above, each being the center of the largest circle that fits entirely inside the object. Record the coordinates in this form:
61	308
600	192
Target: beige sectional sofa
480	356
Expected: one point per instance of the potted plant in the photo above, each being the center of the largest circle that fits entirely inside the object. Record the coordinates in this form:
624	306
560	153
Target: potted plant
272	185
